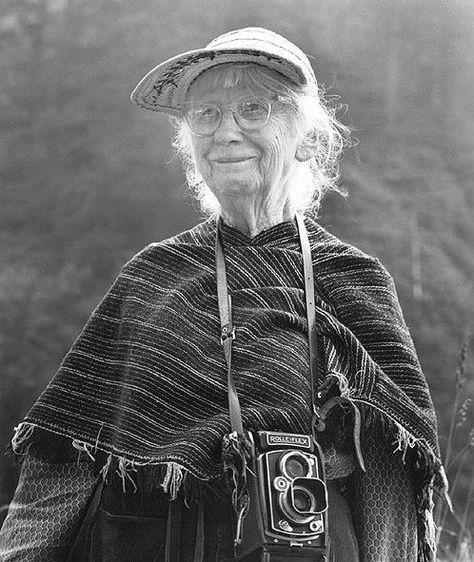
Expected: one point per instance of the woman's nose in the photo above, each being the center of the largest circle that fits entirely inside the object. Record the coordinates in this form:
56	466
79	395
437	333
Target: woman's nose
228	130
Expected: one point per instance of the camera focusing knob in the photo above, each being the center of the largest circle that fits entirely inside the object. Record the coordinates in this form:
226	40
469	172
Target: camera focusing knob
281	483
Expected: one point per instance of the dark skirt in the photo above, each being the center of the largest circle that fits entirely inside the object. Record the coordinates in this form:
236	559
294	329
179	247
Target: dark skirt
147	527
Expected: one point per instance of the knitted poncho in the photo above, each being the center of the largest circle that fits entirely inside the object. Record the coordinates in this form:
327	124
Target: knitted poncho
146	379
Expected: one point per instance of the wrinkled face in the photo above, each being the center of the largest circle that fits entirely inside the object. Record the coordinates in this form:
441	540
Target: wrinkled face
237	163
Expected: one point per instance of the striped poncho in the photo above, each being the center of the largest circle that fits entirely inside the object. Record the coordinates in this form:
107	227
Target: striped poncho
145	382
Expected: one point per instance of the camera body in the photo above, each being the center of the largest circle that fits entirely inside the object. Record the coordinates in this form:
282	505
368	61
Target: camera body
287	515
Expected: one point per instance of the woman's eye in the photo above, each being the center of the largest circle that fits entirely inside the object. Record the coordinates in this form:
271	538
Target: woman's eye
206	113
253	109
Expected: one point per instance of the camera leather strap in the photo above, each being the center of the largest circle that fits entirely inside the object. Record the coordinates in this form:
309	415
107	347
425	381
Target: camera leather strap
228	331
310	304
227	335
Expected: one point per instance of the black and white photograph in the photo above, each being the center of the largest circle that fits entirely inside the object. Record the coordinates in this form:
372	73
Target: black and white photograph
237	281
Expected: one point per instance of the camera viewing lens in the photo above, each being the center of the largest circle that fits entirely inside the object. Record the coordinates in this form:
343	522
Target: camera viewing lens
295	465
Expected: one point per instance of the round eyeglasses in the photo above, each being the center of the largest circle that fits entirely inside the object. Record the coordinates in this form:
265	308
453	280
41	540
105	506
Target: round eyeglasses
203	119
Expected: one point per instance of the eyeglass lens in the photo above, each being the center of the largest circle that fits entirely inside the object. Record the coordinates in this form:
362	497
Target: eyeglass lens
250	114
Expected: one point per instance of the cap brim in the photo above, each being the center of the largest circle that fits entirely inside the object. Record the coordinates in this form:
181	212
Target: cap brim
163	89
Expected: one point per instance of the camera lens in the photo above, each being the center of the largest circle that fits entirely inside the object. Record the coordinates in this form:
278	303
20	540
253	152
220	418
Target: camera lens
295	468
298	504
303	500
295	465
309	495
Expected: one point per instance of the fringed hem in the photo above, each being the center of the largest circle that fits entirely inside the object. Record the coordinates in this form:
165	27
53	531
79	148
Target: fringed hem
176	479
430	476
171	476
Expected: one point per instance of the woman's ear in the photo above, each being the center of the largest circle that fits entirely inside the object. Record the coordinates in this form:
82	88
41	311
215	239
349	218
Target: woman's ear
306	149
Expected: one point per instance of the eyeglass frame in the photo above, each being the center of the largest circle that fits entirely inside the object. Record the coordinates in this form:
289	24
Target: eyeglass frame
222	110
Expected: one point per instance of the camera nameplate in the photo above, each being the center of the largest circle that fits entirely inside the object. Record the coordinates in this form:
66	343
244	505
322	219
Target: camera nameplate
292	440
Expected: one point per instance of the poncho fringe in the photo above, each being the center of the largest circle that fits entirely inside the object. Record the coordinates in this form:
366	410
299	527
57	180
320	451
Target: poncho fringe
174	478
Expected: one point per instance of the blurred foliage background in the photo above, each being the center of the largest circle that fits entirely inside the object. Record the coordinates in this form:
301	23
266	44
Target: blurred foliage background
87	178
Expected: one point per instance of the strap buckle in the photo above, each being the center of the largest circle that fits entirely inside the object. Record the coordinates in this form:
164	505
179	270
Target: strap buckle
227	333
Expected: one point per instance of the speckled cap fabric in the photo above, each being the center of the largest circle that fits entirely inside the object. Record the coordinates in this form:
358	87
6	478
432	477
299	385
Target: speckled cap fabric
164	87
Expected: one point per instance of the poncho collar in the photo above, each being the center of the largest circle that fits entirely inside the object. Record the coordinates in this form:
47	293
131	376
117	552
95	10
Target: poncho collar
282	234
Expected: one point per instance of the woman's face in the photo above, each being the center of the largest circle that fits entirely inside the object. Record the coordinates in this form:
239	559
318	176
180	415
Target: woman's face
241	164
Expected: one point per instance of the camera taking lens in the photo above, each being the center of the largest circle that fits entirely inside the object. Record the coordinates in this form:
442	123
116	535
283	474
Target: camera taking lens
309	495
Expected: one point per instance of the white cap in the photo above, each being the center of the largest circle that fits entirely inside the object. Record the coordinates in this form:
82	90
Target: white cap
164	88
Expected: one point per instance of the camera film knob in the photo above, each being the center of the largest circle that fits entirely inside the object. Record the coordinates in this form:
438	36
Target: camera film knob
283	524
281	484
316	525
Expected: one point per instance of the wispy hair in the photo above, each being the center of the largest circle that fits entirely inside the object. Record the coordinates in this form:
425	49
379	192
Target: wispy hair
314	116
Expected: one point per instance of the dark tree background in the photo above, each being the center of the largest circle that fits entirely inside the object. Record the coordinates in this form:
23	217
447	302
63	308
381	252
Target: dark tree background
87	178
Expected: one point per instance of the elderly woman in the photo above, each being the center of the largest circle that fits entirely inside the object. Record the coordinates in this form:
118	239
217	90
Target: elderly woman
122	453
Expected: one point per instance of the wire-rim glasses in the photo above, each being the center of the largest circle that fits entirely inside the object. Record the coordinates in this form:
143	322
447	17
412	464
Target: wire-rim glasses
203	118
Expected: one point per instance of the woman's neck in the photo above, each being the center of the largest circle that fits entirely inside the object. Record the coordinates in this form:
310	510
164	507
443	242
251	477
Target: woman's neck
252	218
251	225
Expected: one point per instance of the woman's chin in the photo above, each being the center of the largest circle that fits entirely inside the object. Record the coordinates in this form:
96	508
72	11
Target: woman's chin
234	185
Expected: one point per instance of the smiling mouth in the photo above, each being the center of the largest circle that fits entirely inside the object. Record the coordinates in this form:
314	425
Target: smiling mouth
234	160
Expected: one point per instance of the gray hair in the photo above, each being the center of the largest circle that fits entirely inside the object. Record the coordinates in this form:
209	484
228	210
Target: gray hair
314	118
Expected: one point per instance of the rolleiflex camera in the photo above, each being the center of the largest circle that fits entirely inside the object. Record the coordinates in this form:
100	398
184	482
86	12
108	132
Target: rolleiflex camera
287	501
